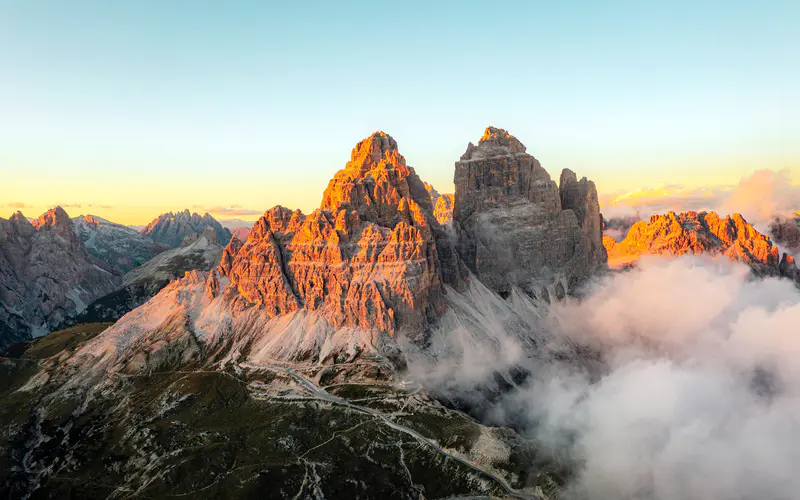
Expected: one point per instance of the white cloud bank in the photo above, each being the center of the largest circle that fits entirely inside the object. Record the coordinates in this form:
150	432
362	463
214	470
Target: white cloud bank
695	393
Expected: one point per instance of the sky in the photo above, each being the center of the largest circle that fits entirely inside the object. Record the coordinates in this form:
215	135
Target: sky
128	109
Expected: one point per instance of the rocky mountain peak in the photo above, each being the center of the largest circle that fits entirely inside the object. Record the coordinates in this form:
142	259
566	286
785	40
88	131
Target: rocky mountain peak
374	182
494	142
58	222
18	217
17	224
442	204
520	229
55	217
692	232
91	220
171	228
379	149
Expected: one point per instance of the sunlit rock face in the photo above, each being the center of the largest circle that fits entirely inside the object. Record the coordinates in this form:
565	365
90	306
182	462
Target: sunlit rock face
46	275
171	228
443	205
368	257
677	234
518	228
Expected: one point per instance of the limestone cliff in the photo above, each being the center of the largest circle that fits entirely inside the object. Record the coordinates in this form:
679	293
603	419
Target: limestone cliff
518	228
368	257
46	275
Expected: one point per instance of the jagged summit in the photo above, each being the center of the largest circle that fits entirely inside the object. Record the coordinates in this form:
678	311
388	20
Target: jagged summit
442	204
18	216
55	217
367	258
46	275
373	150
520	229
375	182
121	247
494	142
171	228
692	232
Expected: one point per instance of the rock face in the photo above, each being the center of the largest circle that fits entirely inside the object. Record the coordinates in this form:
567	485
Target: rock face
197	253
704	232
786	232
46	275
518	227
443	205
121	247
617	228
241	233
171	228
372	268
368	257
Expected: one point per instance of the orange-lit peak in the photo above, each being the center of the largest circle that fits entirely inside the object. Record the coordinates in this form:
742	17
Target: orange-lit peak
370	151
52	217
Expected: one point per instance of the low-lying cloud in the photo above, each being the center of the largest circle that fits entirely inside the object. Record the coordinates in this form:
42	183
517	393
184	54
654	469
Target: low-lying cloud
759	197
688	385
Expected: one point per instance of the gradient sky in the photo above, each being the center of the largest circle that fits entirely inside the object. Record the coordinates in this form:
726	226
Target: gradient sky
130	109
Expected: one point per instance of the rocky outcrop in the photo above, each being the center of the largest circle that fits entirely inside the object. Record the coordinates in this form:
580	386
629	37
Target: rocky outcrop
518	228
581	198
197	253
372	269
121	247
676	234
785	231
368	257
443	205
171	228
46	275
241	232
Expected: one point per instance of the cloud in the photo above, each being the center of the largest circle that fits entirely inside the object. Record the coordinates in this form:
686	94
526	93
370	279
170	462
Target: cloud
106	207
763	195
17	204
233	211
677	380
759	197
67	205
647	201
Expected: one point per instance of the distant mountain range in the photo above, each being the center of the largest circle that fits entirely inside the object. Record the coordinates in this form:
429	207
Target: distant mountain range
171	228
53	269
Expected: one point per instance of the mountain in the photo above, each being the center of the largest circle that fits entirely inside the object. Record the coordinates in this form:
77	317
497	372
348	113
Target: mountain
442	204
695	233
617	227
282	371
241	233
46	275
786	233
121	247
171	228
520	229
197	252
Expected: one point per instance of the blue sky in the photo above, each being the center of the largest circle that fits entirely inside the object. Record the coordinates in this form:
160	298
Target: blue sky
149	106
